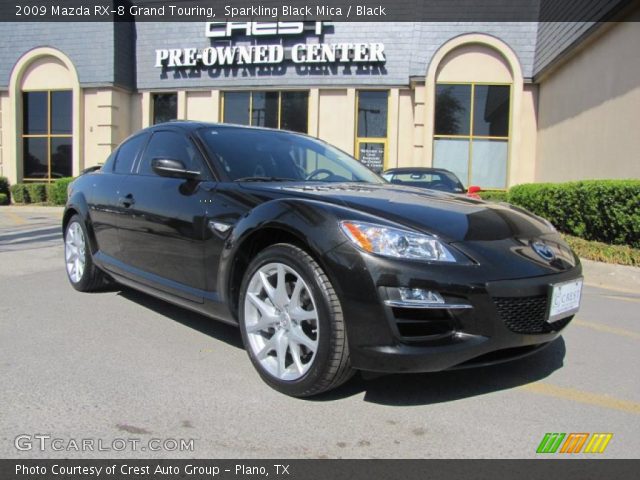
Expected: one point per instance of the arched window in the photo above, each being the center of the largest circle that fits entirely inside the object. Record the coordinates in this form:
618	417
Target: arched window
47	121
46	96
473	105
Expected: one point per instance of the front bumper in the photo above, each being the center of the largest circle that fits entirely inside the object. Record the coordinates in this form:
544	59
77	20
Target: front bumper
507	318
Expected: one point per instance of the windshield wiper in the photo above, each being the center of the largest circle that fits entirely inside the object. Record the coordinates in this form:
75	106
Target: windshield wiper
266	179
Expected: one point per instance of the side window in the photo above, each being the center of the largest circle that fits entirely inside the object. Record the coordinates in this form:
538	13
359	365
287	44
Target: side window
171	146
128	153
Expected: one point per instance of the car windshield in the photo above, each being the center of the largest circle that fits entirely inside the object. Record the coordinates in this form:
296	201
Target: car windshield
267	155
433	179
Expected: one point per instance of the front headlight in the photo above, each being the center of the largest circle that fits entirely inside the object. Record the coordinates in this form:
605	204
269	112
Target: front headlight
396	243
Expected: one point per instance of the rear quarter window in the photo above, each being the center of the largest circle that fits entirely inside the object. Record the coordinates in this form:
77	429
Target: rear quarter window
128	152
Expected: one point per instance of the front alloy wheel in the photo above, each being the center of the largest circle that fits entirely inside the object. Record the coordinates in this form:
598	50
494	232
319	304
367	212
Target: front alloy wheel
75	252
82	273
291	323
281	321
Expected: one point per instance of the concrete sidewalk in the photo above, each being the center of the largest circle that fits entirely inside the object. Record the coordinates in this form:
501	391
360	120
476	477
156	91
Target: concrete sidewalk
596	274
31	209
612	277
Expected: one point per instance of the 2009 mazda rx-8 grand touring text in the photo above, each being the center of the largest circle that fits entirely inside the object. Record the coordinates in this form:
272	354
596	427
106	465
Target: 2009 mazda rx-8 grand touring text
325	267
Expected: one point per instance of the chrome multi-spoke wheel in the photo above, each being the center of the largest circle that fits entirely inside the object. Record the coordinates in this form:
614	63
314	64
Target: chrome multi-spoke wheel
82	273
75	252
281	321
292	324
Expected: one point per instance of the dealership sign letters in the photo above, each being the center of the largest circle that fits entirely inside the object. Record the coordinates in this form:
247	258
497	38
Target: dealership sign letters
300	53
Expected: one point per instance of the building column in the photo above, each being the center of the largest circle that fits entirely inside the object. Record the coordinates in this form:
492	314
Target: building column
147	110
108	122
182	105
216	105
351	120
314	112
393	121
3	167
421	145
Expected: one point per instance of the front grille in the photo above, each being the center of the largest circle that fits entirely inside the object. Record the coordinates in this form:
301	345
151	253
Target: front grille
527	315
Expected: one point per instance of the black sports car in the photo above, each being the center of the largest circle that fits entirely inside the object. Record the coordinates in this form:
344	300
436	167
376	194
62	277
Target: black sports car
325	266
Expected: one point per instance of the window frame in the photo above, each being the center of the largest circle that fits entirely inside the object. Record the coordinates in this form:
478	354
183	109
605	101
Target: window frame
471	137
279	92
48	136
205	173
381	140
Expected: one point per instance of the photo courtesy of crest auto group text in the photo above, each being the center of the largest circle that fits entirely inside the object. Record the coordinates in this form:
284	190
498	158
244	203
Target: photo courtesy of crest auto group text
319	239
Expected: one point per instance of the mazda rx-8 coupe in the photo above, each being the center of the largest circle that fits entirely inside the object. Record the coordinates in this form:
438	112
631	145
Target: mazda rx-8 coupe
325	267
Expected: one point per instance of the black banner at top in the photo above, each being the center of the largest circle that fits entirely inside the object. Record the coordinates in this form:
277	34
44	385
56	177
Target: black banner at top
327	10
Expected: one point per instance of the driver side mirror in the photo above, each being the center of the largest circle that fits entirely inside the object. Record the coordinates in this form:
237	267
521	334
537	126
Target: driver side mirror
166	167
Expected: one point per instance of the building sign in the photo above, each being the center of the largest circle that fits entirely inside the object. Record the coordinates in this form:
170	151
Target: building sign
229	29
372	155
300	53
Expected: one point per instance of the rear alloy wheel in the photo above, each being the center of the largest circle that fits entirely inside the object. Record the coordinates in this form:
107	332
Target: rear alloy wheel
292	324
81	271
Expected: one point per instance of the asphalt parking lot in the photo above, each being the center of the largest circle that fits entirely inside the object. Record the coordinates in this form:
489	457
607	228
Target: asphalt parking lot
121	365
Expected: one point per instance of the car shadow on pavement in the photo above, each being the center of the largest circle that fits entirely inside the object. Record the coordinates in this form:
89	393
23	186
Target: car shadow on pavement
438	387
210	327
391	390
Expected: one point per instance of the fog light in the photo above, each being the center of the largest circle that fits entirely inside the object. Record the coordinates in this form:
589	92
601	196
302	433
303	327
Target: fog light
420	295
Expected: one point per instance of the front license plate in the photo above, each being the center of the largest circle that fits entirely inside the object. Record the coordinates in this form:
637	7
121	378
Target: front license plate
565	299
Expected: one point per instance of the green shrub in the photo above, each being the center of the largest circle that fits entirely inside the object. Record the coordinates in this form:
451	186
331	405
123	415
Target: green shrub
19	193
600	210
58	191
4	188
4	199
37	192
494	195
602	252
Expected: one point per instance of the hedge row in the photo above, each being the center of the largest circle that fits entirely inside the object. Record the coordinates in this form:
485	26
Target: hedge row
58	191
603	252
602	210
54	193
5	193
494	195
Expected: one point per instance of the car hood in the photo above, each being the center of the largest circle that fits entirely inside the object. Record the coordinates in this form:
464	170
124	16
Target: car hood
455	218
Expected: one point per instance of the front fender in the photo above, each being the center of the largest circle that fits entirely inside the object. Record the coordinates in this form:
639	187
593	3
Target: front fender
311	222
314	223
77	204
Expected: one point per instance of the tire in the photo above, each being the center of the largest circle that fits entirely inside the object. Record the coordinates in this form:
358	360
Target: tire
83	275
292	324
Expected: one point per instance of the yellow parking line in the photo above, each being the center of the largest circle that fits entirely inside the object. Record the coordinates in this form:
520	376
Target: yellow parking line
17	219
620	297
604	286
580	396
605	328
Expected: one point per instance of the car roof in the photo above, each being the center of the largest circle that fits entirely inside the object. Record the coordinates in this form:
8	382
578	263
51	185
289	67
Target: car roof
417	169
191	125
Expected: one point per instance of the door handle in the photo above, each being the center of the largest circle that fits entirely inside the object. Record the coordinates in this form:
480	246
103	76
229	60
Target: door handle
127	200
